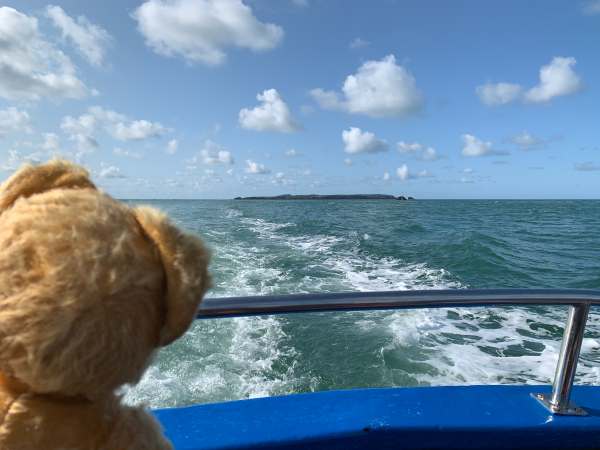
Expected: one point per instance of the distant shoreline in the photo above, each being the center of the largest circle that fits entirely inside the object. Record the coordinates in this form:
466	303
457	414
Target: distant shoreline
329	197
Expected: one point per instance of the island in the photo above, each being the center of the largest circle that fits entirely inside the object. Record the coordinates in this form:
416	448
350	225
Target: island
329	197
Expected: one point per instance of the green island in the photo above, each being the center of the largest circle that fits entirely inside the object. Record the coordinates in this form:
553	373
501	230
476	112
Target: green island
329	197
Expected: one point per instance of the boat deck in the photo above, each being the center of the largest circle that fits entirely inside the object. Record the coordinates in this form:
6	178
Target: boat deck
408	418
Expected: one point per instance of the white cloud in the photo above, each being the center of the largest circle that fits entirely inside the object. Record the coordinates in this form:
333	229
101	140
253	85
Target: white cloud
409	147
527	142
281	179
213	153
172	146
498	93
379	89
472	146
357	141
30	67
405	174
137	130
348	162
91	40
51	142
108	171
358	43
556	79
126	153
468	170
12	120
587	166
256	168
419	150
429	154
82	129
292	152
16	159
201	30
271	115
386	176
591	7
402	172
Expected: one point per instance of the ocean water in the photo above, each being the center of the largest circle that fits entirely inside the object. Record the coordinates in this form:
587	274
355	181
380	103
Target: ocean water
268	247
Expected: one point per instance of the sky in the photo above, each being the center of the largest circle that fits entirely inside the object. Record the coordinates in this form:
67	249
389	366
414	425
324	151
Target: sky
222	98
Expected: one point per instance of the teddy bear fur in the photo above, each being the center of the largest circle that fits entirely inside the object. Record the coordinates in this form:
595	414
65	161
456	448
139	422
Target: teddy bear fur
89	289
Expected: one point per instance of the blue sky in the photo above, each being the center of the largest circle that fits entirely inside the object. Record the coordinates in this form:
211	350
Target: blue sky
219	98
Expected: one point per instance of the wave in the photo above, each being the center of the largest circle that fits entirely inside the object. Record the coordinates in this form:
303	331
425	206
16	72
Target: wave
248	357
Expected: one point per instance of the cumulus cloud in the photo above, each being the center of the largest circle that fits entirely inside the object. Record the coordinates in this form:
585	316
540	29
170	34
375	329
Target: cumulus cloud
378	89
281	179
82	129
172	146
419	150
201	30
137	130
256	168
13	120
402	172
556	79
405	174
409	147
348	162
30	67
526	141
499	93
587	166
386	176
213	153
358	43
108	171
358	141
472	146
16	159
271	115
90	40
292	153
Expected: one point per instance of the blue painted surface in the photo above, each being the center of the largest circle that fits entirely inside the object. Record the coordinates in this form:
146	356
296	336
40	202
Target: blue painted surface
409	418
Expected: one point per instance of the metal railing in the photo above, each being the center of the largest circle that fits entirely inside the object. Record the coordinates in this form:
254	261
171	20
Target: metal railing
578	301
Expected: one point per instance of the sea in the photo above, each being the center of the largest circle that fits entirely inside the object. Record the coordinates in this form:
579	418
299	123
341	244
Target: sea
279	247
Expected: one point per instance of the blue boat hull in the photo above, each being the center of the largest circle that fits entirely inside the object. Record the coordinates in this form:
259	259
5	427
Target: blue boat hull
408	418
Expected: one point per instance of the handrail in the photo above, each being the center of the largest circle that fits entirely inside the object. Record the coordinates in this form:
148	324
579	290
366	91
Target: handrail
214	307
578	301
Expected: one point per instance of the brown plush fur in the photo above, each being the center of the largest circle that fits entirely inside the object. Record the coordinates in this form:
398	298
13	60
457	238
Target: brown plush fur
89	288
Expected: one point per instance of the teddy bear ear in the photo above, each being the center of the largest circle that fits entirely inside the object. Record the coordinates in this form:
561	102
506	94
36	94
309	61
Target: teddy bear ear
185	261
30	180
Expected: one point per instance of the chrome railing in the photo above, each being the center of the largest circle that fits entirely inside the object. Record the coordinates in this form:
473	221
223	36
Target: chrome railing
578	301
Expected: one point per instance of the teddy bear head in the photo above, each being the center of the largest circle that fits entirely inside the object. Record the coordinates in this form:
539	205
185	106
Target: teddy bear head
89	287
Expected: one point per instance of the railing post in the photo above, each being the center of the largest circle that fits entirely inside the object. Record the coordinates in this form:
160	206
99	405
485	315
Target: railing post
558	402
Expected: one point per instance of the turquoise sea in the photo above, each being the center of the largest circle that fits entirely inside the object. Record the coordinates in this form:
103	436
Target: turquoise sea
268	247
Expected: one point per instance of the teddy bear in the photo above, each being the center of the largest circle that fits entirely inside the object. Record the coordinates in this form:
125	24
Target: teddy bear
90	288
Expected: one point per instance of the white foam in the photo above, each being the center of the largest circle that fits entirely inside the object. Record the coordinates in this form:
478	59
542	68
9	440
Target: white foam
434	335
249	357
